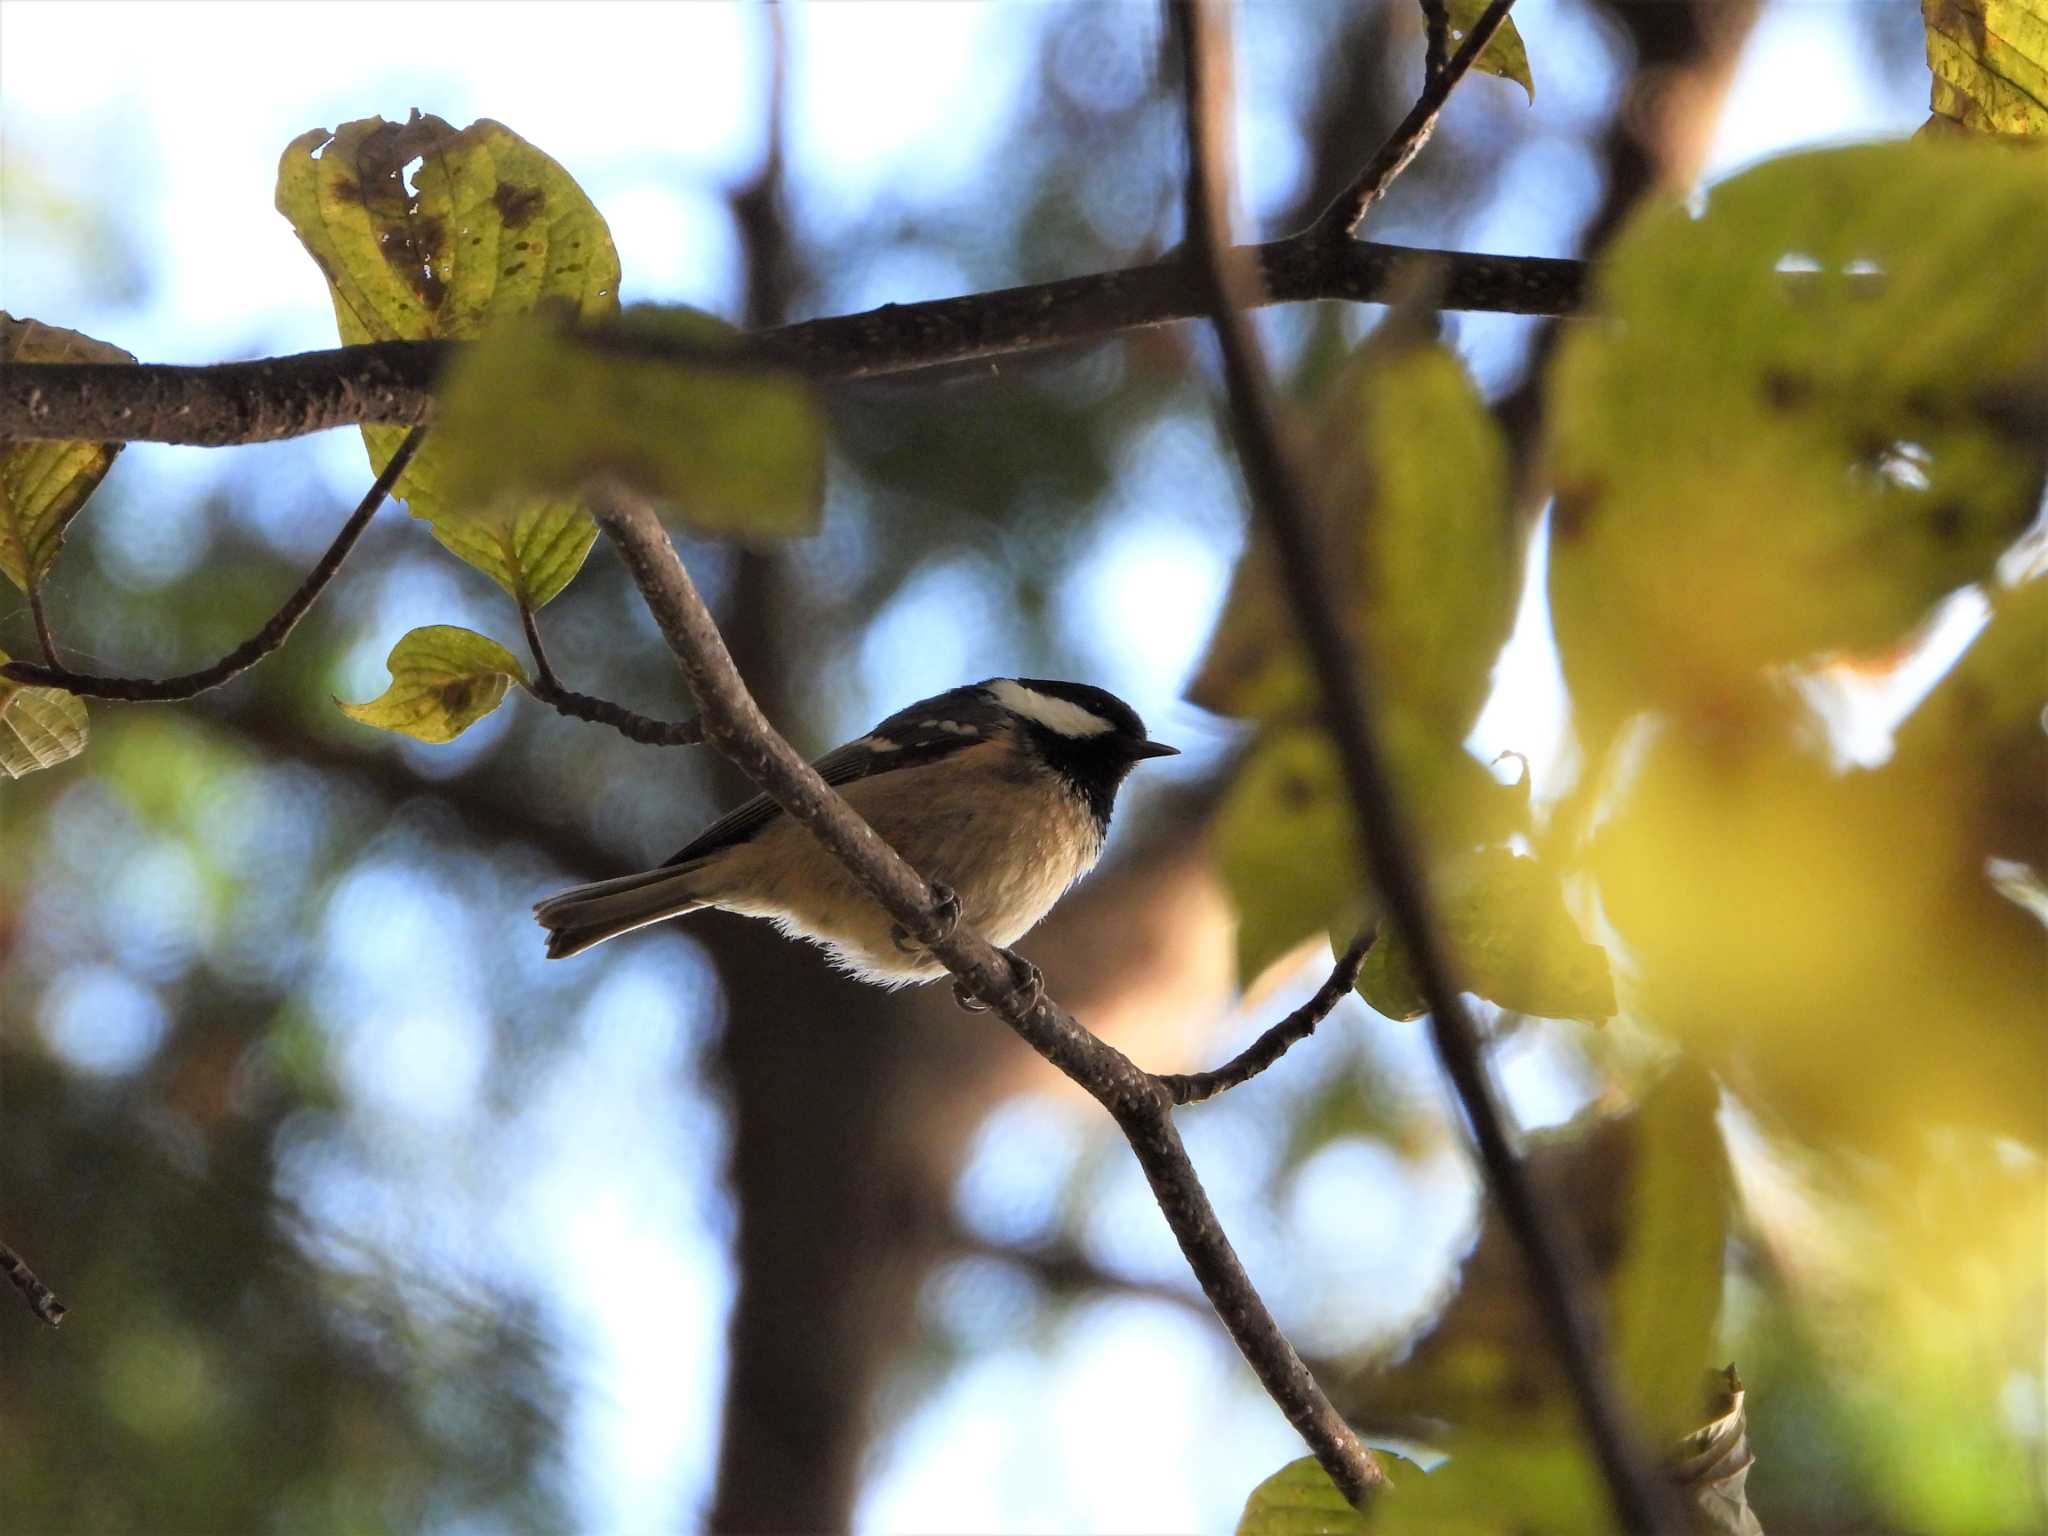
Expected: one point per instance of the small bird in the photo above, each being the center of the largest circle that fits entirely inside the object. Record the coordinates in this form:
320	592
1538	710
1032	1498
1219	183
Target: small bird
998	793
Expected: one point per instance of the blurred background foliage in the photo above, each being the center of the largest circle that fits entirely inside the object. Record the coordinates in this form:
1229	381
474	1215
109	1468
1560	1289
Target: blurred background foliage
370	1218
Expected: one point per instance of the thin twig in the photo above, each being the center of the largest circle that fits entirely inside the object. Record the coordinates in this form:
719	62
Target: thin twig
1436	28
547	687
158	690
44	637
41	1299
1141	1108
1641	1500
1343	216
392	382
1194	1087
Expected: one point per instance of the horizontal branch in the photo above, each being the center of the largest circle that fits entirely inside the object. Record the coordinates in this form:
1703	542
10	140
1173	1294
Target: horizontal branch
392	382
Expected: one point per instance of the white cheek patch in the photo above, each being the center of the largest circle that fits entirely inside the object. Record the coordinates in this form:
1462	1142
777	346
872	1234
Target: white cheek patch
1060	715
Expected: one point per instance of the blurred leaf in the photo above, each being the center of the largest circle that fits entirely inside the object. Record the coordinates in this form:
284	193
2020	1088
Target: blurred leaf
1829	940
1300	1500
1410	468
443	680
42	485
735	449
1990	63
1503	923
490	229
1802	420
39	727
1713	1462
1505	56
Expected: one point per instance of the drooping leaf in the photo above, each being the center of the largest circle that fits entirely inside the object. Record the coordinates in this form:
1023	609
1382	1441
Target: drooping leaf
1713	1462
42	485
1802	419
1412	475
489	229
1508	937
734	449
1990	64
1286	842
1505	56
443	680
39	727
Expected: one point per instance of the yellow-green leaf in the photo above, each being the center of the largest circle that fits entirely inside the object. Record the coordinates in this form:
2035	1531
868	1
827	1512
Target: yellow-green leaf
1300	1500
1411	473
1801	420
1507	935
488	229
443	680
733	448
1505	56
1989	59
42	485
39	727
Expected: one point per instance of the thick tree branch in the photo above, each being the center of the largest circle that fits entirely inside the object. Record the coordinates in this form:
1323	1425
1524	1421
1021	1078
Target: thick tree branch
1642	1502
41	1299
547	687
392	382
158	690
1194	1087
1141	1108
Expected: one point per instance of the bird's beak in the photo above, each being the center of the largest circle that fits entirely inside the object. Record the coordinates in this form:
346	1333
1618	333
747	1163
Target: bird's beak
1145	749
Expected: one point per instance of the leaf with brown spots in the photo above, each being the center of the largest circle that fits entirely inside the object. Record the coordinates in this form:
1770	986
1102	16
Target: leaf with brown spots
42	485
443	680
423	231
1989	59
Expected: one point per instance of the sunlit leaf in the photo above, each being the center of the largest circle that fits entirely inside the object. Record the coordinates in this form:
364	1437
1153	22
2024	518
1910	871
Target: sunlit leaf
1990	63
1712	1465
1504	56
733	449
39	727
443	680
1508	937
488	229
1300	1500
42	485
1410	470
1805	416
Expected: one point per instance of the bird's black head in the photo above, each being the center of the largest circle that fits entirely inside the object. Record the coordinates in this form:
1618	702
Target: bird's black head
1090	737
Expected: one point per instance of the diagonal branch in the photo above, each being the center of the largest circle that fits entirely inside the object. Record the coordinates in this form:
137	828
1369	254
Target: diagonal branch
1141	1108
1195	1087
1641	1500
159	690
392	382
634	726
41	1299
1342	218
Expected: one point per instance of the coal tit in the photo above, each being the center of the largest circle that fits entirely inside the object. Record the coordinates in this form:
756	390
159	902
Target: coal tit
1000	791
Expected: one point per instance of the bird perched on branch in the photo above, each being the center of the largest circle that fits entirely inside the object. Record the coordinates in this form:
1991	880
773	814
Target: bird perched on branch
998	793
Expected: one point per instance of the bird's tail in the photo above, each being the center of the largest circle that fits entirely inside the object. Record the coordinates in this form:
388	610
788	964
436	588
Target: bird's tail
589	914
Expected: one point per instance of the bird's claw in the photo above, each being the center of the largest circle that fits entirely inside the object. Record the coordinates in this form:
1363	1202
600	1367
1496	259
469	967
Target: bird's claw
945	912
1024	976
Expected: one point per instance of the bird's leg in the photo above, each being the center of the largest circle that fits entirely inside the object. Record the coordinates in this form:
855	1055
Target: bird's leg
946	913
1025	976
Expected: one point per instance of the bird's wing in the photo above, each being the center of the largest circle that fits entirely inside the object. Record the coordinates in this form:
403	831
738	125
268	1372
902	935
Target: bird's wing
923	733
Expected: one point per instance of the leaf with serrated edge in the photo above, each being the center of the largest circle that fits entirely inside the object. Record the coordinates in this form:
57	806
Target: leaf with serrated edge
1505	56
443	680
42	485
39	727
734	450
490	228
